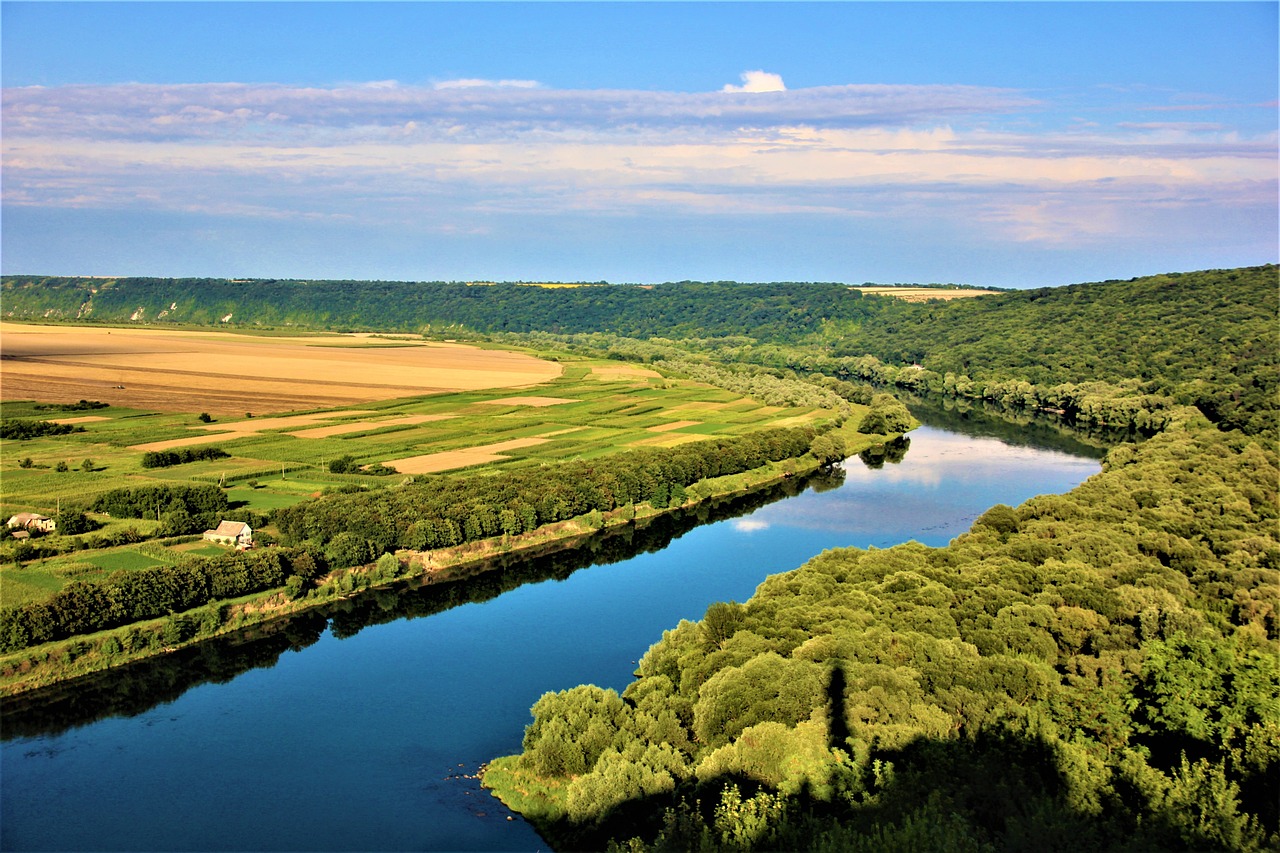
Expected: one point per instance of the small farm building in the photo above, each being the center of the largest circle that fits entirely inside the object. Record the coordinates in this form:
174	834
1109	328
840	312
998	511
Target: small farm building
235	533
32	521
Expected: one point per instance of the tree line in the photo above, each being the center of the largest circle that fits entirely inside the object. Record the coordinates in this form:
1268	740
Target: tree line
21	429
169	458
128	596
444	510
778	311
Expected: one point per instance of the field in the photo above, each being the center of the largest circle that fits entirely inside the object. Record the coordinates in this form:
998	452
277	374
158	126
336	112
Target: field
924	294
224	373
585	408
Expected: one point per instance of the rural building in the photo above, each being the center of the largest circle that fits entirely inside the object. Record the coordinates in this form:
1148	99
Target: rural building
32	521
235	533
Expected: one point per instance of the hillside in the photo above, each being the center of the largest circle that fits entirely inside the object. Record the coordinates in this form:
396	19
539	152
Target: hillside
1097	670
695	309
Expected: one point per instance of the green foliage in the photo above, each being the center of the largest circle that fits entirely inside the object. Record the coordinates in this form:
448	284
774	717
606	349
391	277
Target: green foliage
144	592
1086	671
783	311
22	430
169	458
152	501
887	417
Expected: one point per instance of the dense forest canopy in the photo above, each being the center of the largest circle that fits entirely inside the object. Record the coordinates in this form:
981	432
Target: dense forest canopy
774	311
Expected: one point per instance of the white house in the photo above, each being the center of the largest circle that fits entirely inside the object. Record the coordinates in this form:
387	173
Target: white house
33	521
235	533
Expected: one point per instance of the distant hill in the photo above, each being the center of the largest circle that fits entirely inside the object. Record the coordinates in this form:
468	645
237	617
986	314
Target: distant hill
1208	338
686	309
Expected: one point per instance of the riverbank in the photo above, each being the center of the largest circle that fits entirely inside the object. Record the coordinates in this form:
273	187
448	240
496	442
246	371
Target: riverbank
61	661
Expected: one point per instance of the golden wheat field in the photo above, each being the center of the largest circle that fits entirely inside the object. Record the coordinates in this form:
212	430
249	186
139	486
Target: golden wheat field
923	294
227	373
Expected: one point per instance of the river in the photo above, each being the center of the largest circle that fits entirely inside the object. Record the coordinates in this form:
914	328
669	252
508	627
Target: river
361	728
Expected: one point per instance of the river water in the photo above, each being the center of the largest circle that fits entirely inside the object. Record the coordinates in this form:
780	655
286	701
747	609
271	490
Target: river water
359	728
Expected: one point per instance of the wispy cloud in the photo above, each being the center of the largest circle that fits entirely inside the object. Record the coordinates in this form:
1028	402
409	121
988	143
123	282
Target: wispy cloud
450	155
474	83
478	107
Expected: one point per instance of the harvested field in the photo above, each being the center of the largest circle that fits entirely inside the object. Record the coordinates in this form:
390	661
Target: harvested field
451	459
190	441
232	430
529	401
224	373
83	419
923	294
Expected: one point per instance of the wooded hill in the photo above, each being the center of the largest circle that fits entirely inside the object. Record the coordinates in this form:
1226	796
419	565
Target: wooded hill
1097	670
774	311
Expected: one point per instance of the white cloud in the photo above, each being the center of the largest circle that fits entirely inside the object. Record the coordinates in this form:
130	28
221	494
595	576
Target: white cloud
749	525
474	83
757	81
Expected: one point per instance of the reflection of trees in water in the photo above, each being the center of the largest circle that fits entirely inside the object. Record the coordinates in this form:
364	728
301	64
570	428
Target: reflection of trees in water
137	687
1017	427
892	452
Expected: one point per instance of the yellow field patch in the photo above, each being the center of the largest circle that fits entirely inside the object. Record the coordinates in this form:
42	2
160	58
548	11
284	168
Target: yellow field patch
624	372
221	372
249	427
672	425
170	444
529	401
667	440
923	294
83	419
361	426
449	460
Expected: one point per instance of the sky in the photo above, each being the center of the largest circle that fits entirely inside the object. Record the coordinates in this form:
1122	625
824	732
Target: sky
1003	144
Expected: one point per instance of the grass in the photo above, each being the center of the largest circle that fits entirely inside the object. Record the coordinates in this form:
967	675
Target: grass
123	560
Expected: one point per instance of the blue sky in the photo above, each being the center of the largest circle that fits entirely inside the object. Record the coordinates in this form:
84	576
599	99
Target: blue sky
1006	144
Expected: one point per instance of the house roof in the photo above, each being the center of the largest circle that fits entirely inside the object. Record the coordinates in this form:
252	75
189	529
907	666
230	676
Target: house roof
25	518
232	528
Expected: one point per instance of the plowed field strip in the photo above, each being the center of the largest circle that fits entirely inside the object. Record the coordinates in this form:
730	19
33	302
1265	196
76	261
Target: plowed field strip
203	374
448	460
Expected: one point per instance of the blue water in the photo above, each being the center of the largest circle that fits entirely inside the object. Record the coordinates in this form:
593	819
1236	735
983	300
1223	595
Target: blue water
364	743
